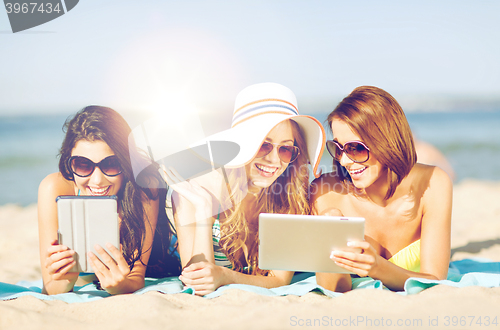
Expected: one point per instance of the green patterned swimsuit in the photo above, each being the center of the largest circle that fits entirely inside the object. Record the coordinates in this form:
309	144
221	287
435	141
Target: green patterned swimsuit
220	258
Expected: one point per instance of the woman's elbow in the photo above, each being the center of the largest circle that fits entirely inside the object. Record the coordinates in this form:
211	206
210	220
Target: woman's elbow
334	282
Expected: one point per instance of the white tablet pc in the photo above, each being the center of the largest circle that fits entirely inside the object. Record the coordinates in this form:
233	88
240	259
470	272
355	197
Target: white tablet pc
85	221
305	242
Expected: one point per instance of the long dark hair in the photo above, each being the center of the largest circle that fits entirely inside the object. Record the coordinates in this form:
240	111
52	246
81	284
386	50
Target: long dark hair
105	124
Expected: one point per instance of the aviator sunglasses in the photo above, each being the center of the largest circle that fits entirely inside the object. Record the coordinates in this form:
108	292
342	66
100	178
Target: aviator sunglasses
356	151
84	167
287	154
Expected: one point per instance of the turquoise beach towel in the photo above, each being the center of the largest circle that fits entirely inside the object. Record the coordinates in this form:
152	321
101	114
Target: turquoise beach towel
463	273
88	292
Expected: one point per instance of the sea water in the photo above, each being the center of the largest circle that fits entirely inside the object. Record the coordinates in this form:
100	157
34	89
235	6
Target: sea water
29	146
28	152
469	140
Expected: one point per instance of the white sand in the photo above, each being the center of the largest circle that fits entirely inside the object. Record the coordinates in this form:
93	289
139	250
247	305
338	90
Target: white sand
475	233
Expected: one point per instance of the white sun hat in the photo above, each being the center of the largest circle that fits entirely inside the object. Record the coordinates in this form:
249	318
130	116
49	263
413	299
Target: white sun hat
258	109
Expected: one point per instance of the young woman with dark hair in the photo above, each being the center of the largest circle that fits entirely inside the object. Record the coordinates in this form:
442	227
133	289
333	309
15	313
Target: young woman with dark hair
95	160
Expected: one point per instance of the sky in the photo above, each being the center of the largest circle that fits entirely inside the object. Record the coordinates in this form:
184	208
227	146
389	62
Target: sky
153	55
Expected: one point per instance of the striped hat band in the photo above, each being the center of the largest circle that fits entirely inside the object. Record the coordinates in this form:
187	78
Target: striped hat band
262	107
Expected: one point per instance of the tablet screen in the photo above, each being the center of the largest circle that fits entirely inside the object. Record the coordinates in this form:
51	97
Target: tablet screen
85	221
304	242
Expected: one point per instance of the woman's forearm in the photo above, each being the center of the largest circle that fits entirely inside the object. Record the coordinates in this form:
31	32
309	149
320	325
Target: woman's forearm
131	284
270	281
334	282
56	287
202	241
394	277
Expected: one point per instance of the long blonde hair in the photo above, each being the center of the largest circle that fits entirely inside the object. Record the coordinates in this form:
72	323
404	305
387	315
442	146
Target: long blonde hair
288	194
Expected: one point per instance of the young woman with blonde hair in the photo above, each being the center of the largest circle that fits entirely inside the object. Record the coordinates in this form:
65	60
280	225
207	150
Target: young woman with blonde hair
216	215
407	205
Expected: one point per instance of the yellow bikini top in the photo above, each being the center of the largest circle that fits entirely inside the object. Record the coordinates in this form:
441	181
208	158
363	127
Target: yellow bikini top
408	257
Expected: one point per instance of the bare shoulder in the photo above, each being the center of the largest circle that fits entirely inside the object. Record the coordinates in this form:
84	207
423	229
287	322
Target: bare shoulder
55	184
432	179
326	183
430	172
440	183
325	193
52	185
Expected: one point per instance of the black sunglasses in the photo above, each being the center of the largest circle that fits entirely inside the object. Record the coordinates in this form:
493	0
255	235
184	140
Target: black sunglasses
84	167
356	151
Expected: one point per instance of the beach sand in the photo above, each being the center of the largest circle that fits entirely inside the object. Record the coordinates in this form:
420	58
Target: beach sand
475	233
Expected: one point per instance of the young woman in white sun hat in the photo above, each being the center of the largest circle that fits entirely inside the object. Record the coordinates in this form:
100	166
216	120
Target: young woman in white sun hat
216	215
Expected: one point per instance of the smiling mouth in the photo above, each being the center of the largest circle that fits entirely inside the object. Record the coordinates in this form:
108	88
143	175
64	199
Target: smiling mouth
357	171
266	170
99	191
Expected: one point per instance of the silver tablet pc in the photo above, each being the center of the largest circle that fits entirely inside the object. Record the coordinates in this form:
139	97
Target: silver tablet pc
305	242
85	221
